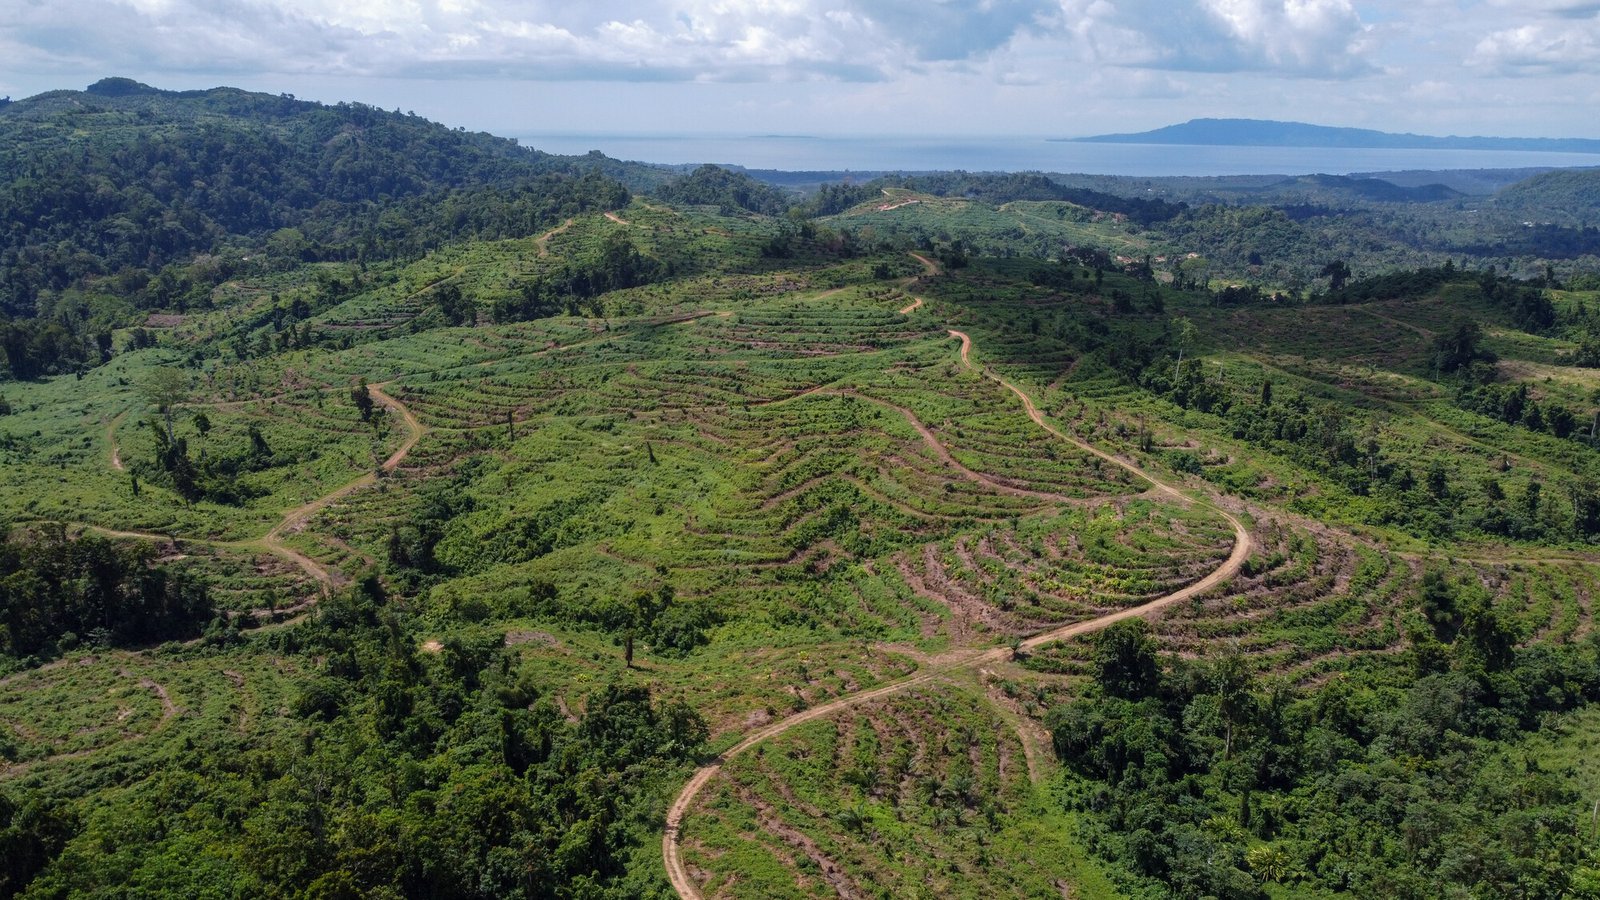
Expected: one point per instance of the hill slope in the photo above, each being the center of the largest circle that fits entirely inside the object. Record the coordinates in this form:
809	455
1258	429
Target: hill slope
125	178
1572	193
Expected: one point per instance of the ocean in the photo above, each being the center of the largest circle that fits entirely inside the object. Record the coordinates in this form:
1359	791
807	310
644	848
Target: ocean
1017	154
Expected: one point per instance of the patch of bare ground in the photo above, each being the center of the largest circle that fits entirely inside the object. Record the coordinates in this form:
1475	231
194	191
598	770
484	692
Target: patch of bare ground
519	636
969	614
1584	591
964	555
168	708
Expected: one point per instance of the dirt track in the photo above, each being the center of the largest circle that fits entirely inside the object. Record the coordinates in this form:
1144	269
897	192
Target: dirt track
1034	414
111	439
296	519
677	870
543	241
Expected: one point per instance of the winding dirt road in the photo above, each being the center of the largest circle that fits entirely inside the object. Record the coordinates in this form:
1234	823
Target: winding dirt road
678	871
944	455
1038	418
295	519
542	242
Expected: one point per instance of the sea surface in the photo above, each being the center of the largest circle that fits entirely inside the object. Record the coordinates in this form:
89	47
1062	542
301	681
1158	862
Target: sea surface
798	153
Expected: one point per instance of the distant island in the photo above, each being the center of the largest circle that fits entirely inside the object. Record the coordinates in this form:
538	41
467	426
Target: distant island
1264	133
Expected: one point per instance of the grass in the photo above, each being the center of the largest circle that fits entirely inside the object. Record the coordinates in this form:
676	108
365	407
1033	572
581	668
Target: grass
58	451
95	721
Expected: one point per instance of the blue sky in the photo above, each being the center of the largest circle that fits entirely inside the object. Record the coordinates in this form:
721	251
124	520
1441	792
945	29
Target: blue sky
951	67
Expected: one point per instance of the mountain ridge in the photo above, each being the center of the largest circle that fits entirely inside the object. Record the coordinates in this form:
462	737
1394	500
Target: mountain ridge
126	178
1272	133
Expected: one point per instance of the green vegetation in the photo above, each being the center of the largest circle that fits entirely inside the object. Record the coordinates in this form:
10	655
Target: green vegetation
916	796
56	592
430	550
399	773
1203	781
729	192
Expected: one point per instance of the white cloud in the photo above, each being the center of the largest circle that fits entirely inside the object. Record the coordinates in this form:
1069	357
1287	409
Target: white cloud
848	40
641	40
1304	38
1541	48
932	65
1563	9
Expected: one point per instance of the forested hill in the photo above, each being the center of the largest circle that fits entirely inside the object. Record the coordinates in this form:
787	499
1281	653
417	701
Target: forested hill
122	179
1570	195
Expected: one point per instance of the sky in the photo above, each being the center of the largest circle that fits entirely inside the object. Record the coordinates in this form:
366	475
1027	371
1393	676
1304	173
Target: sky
1525	68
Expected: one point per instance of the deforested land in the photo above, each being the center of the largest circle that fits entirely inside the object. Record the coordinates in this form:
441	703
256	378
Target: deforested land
398	511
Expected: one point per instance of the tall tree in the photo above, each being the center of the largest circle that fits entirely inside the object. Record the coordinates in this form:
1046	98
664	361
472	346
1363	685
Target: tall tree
165	388
1185	336
1125	660
361	396
1337	273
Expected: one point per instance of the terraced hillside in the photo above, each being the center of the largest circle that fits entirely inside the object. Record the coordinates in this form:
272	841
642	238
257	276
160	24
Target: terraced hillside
917	794
784	557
